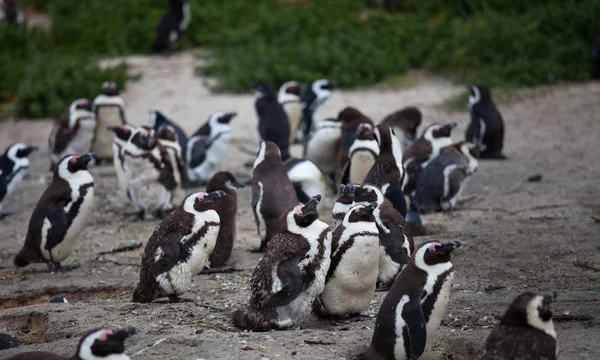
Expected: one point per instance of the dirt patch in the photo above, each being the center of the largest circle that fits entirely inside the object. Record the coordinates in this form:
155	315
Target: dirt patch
71	293
29	328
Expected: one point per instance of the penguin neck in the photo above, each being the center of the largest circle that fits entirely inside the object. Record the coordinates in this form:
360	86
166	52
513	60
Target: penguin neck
75	179
364	145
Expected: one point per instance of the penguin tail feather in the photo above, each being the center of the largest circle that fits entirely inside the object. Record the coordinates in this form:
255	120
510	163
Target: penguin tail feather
252	320
20	261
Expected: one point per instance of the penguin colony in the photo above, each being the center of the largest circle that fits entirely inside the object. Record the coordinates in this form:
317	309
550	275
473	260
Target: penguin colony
384	176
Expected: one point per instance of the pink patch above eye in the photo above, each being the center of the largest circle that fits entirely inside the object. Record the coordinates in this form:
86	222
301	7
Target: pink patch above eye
433	245
201	195
368	188
298	209
74	159
105	335
357	209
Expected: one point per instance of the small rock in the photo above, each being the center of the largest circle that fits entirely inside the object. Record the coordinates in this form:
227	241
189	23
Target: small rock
535	178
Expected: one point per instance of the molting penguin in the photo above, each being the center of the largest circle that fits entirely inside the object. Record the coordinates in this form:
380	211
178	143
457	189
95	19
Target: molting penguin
412	310
272	192
60	215
388	173
73	133
11	12
109	109
352	275
179	248
289	97
313	102
207	146
526	331
486	126
445	177
307	178
13	166
97	344
322	145
172	159
226	207
361	155
291	274
157	119
273	123
405	123
422	151
351	119
122	134
172	25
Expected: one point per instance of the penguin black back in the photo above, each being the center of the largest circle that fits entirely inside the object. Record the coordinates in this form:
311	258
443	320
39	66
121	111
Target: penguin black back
351	118
171	26
486	126
157	119
273	124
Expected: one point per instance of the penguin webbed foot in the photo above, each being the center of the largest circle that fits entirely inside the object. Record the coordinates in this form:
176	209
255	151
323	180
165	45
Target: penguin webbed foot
139	216
160	214
58	268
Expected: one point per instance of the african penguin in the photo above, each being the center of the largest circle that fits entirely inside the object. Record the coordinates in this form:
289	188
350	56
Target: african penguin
73	133
412	310
388	173
172	25
60	215
405	123
525	332
422	151
157	119
351	118
289	97
172	160
444	178
207	147
307	178
361	155
322	145
122	134
97	344
13	166
292	272
226	207
109	109
272	192
179	248
352	275
272	121
486	126
11	12
313	102
344	202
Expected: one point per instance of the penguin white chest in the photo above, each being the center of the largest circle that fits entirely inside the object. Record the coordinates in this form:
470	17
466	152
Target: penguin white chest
399	324
16	179
81	143
262	226
322	148
107	116
214	154
142	180
439	307
361	163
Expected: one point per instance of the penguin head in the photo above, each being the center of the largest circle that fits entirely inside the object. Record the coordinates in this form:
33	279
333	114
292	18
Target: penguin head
479	94
365	132
18	152
360	213
71	164
412	117
110	88
223	180
431	254
305	214
80	104
166	132
348	193
322	88
262	89
471	150
268	151
529	309
144	138
350	114
217	123
122	132
292	88
104	343
202	201
369	193
389	143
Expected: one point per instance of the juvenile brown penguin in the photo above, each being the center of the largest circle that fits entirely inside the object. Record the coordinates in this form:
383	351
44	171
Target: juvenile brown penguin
361	155
351	118
179	248
412	310
525	332
405	123
60	215
109	109
388	173
291	274
226	207
352	274
97	344
272	192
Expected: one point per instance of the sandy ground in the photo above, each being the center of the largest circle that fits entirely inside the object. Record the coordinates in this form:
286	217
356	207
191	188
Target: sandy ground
517	236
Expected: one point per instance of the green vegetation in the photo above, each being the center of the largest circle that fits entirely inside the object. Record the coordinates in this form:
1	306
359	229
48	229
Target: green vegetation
503	43
457	102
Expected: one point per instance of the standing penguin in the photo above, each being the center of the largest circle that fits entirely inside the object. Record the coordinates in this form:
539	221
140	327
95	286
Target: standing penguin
525	332
226	207
172	159
361	155
172	25
109	109
96	344
272	192
11	12
352	275
422	151
351	118
13	166
486	127
412	310
289	97
73	133
405	123
292	272
122	134
179	248
322	146
272	121
307	178
445	177
157	119
60	215
388	173
207	146
313	103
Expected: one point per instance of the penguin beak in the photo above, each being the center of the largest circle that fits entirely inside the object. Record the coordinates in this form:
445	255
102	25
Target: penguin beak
85	159
226	118
237	184
448	247
311	205
28	150
368	209
215	195
342	187
446	130
121	334
331	85
112	128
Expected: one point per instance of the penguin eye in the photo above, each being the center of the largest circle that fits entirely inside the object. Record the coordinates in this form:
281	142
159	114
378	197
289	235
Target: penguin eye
431	250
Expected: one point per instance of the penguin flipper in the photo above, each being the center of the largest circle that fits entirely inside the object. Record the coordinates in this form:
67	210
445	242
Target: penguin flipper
170	254
396	196
417	331
291	278
197	151
58	221
455	175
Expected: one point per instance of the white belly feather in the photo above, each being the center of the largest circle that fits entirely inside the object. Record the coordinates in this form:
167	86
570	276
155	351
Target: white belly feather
360	165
